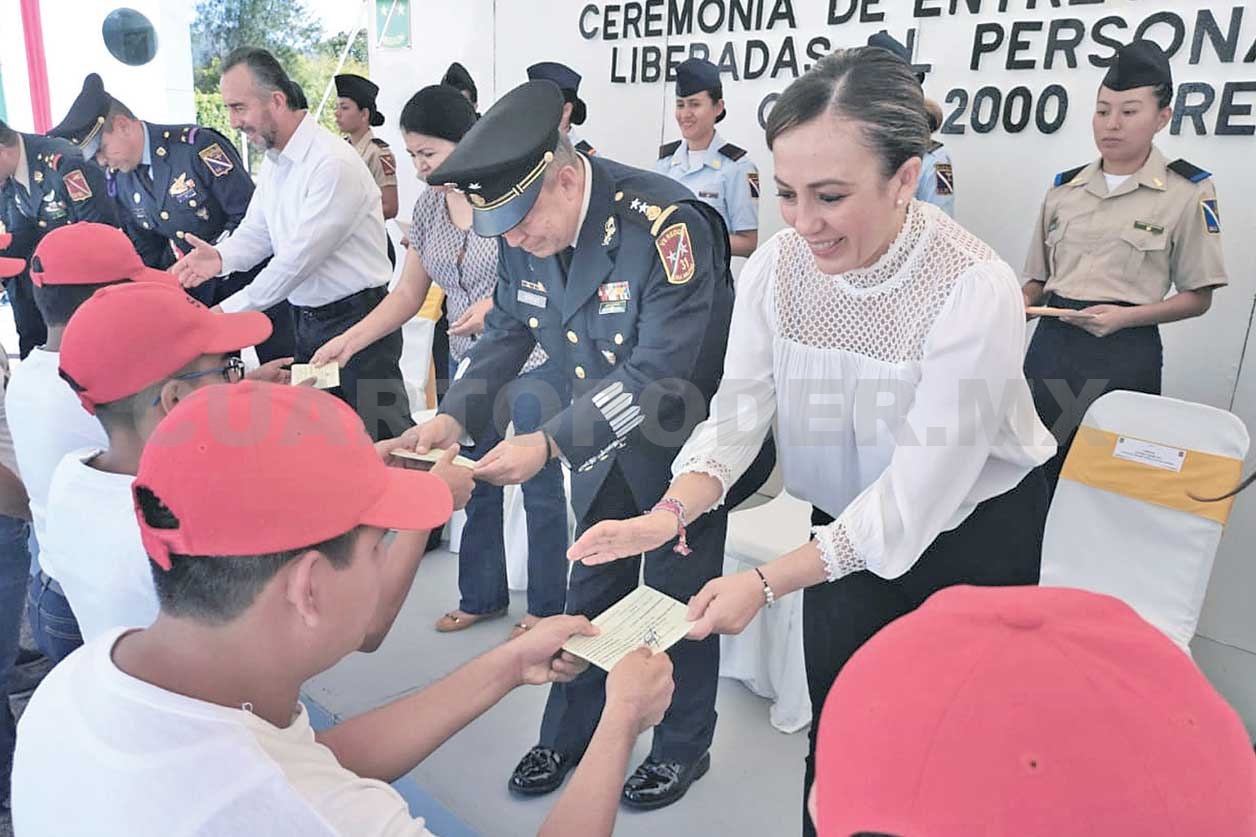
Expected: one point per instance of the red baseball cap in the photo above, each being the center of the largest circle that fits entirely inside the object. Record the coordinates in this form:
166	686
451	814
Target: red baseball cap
9	266
129	336
1029	711
87	253
257	468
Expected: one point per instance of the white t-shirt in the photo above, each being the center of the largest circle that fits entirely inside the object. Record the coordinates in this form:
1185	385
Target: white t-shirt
1115	180
8	458
47	421
94	541
137	760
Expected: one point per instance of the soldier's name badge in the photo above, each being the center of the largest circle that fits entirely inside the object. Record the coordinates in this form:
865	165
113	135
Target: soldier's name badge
538	287
614	292
708	194
612	307
1147	226
529	298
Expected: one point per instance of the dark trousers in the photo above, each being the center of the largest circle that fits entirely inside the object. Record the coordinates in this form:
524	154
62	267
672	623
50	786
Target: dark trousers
371	381
1068	369
31	331
998	544
482	579
573	709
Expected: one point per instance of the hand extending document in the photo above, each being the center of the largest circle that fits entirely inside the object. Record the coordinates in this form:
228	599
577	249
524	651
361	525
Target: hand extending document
326	376
645	617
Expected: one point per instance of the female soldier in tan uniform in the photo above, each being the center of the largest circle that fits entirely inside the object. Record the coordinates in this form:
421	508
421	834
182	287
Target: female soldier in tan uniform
1112	239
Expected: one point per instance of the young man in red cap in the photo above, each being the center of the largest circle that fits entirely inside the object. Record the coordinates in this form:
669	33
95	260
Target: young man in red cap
14	558
70	264
1029	711
263	509
130	353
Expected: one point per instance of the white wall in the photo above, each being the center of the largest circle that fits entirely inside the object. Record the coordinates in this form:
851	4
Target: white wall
159	91
1001	177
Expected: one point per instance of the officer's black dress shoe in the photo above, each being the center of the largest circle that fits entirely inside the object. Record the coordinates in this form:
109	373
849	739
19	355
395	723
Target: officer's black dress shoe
539	772
657	784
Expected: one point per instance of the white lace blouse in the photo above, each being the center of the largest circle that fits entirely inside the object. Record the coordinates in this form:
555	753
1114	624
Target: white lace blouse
896	391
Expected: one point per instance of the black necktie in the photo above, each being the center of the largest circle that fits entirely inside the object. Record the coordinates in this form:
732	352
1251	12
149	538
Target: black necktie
564	259
143	172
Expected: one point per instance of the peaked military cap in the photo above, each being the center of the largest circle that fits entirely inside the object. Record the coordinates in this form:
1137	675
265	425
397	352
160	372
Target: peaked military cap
362	92
1139	63
500	163
694	75
568	81
83	122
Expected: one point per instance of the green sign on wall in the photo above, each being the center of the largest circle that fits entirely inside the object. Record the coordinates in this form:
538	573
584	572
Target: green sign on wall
392	23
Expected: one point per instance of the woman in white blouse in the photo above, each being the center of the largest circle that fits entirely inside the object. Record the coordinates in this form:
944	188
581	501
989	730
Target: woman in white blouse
884	342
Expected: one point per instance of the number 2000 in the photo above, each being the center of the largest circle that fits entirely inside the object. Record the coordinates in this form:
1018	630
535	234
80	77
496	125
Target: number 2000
1014	111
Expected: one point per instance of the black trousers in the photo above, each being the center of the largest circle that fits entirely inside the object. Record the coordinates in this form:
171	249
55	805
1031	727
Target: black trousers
573	709
31	331
371	381
1068	369
998	544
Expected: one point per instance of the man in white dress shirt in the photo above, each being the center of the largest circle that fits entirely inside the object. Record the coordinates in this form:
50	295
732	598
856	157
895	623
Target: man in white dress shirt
317	210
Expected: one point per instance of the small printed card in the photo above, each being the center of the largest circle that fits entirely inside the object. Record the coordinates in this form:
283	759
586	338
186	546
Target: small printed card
431	457
645	617
325	377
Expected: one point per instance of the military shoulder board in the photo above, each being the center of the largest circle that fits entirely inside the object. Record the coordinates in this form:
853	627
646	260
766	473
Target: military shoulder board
379	142
934	145
732	152
1190	171
584	148
668	149
216	160
1067	176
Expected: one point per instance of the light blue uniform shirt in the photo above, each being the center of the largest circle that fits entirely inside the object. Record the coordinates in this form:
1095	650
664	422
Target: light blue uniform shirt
937	179
722	176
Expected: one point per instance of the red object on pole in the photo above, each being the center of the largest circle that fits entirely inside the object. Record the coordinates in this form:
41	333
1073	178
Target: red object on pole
37	65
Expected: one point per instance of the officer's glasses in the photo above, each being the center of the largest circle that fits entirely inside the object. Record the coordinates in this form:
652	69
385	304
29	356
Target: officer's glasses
231	373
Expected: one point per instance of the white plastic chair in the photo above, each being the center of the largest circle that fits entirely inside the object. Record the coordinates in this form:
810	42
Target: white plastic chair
1121	540
768	655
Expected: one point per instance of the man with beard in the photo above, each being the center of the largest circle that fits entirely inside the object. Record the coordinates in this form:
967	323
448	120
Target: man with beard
317	214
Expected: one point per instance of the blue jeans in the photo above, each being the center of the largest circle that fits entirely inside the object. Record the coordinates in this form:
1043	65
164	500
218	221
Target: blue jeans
482	556
14	575
53	625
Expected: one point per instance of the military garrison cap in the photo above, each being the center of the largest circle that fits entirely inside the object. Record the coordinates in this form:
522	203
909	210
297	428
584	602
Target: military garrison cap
362	92
568	81
1139	63
697	74
500	163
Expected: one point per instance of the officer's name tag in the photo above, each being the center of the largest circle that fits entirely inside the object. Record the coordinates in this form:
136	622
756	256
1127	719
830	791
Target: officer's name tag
529	298
1147	226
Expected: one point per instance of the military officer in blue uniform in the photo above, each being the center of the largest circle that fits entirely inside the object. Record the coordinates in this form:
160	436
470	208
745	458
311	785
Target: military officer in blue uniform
575	112
718	172
44	184
169	181
622	276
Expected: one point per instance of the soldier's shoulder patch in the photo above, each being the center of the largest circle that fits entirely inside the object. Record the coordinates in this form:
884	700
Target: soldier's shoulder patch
945	178
216	160
586	149
676	251
76	185
1212	216
1190	171
732	152
1067	176
752	178
667	149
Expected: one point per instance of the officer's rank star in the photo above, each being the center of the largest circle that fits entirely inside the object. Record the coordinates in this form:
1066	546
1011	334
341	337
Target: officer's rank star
610	231
38	177
636	204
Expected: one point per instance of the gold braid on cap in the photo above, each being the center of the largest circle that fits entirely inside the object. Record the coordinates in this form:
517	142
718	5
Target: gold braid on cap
100	121
519	187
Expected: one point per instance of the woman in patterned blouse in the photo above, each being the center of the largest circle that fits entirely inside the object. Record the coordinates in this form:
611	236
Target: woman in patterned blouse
885	343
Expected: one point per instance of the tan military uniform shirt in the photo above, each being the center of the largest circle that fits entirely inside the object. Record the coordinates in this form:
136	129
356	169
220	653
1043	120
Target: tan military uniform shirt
378	158
1157	230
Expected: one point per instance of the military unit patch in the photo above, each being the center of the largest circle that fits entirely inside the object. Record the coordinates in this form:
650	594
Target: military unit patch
1212	216
676	250
216	160
388	163
753	178
945	177
76	186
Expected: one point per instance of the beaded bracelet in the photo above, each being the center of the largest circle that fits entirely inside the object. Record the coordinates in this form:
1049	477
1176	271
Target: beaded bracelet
677	508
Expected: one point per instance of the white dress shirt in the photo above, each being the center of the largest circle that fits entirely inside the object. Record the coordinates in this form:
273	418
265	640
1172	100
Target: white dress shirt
896	390
317	210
